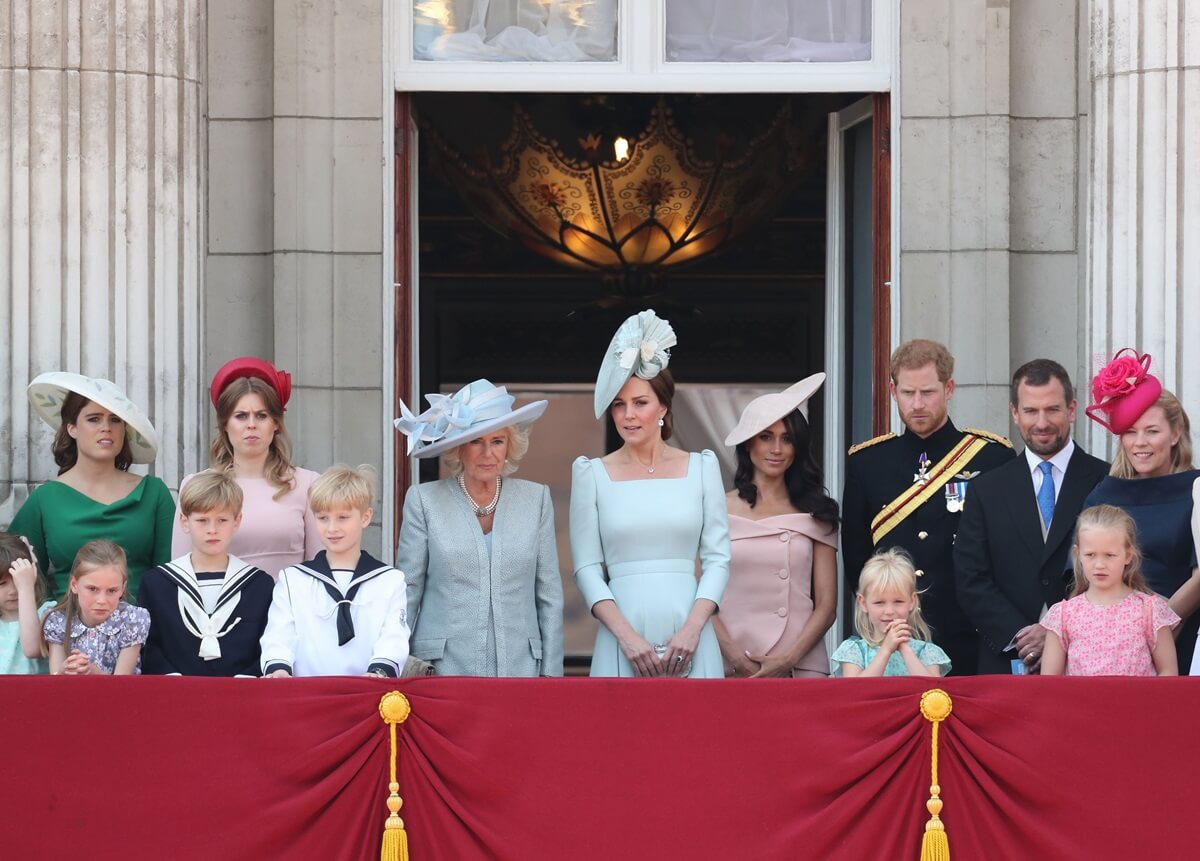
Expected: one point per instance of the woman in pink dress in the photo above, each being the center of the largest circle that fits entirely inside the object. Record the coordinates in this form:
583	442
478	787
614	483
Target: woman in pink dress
782	592
251	442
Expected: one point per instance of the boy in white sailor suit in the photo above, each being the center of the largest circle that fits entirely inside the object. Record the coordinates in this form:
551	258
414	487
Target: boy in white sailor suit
343	612
207	609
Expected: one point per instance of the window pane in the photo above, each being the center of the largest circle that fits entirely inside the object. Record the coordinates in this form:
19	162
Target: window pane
564	31
768	31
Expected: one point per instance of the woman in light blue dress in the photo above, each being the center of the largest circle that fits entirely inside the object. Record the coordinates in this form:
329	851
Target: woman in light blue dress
641	516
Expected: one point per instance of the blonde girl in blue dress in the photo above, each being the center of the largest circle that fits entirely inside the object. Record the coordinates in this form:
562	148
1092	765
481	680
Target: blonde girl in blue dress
893	639
640	518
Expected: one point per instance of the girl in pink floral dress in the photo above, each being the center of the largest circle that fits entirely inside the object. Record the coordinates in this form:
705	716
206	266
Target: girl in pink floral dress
1113	625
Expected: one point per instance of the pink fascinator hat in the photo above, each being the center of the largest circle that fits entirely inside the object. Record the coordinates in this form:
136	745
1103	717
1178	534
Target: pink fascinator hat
1123	390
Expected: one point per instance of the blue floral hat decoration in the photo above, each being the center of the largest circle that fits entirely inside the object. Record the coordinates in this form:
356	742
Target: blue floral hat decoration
473	411
642	346
48	391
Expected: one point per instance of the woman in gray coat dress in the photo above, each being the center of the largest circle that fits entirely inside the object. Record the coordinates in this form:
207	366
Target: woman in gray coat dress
478	549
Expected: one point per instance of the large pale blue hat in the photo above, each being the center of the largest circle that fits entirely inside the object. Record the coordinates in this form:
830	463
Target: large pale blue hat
642	346
473	411
48	391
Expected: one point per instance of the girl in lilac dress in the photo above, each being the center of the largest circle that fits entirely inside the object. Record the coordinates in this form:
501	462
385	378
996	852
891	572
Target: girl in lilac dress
94	630
1113	624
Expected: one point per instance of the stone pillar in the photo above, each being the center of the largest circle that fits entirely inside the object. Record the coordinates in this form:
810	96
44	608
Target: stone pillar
1144	225
331	305
100	216
954	154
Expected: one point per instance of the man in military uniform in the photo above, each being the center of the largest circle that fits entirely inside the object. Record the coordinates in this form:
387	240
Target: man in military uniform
908	491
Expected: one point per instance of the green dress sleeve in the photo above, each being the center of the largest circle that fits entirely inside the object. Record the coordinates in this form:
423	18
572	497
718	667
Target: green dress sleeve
164	520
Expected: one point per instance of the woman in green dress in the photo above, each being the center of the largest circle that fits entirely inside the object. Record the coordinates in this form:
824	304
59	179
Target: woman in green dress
99	433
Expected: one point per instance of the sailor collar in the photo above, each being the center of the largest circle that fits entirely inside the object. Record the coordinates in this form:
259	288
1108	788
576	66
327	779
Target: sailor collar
367	569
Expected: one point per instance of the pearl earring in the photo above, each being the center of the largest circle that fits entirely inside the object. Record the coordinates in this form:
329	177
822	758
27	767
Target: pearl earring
661	422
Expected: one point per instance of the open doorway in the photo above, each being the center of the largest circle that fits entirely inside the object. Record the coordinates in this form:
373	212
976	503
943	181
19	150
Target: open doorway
751	316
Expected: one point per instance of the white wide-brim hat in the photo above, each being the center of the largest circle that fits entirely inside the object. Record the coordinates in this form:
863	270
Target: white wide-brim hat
765	410
48	391
473	411
641	346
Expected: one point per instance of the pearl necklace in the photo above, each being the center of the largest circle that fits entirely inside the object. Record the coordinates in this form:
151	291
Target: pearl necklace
481	510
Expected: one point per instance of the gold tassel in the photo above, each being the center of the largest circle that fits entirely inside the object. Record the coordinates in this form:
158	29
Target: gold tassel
394	708
935	846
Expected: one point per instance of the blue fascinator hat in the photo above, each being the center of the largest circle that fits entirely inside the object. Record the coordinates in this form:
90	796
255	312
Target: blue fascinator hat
642	346
473	411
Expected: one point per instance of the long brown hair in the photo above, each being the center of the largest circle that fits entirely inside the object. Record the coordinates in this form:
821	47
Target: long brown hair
100	553
1117	520
13	548
279	471
66	450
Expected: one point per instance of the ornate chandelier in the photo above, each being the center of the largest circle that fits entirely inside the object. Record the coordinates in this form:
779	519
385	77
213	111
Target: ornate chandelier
629	209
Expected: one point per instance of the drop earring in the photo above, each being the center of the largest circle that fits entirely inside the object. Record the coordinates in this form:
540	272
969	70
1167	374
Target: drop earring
661	422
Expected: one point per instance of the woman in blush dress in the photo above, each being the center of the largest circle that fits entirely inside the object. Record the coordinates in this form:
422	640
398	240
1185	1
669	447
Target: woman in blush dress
641	516
782	593
253	445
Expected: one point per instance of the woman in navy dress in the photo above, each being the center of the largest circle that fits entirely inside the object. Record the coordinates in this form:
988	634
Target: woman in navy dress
1152	478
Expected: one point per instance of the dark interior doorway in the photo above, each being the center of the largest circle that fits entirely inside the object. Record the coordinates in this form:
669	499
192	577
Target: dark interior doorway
749	317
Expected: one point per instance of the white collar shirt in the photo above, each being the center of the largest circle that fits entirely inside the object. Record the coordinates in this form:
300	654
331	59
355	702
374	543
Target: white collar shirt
1058	467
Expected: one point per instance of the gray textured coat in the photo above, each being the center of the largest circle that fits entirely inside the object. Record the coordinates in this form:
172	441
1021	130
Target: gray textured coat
445	560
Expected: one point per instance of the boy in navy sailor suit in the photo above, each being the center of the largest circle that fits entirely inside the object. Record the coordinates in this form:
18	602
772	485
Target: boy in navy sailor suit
208	609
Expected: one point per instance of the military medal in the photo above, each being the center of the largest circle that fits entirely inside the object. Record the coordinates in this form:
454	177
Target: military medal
921	476
956	496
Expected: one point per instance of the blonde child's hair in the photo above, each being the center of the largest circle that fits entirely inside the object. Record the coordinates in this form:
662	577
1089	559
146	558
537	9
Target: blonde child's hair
1117	520
211	491
889	569
342	485
12	549
100	553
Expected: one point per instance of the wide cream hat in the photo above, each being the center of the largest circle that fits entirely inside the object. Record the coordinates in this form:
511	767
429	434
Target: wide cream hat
48	391
765	410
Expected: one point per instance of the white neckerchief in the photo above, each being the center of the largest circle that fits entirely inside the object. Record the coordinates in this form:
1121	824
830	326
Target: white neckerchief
209	628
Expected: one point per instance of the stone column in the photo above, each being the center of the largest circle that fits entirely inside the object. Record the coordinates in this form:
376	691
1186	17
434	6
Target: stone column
1144	225
100	216
954	165
331	304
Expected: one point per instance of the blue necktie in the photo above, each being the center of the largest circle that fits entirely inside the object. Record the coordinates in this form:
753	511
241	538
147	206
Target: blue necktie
1045	496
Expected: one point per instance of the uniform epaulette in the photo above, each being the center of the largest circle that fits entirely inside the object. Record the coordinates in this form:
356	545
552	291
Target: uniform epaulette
868	443
994	437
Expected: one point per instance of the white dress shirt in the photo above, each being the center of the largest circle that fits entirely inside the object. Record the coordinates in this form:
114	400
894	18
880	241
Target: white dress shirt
1058	468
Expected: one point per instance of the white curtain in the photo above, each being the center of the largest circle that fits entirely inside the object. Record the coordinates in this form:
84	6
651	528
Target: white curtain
705	416
542	30
778	31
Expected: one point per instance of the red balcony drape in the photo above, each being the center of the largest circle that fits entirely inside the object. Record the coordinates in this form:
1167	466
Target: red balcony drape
173	768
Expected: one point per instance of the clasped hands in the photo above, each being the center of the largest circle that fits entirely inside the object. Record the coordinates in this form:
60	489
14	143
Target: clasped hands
676	657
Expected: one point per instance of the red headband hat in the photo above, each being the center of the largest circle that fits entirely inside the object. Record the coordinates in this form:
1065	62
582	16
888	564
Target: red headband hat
248	366
1123	390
